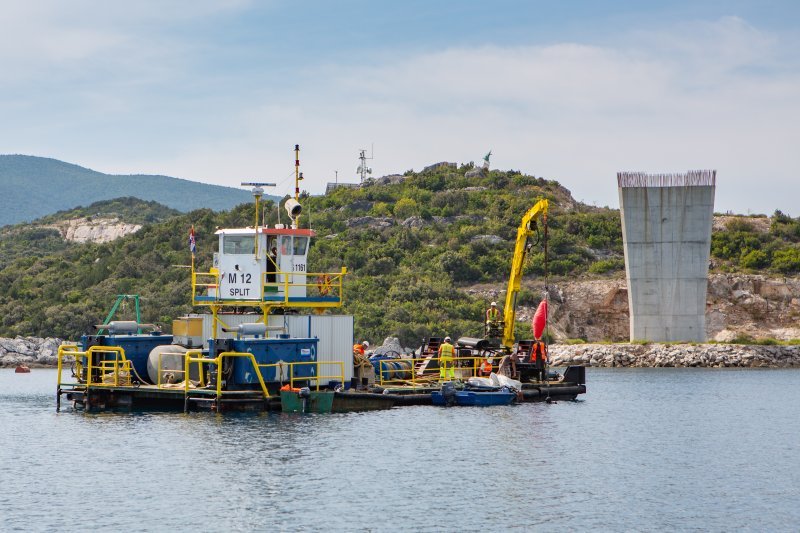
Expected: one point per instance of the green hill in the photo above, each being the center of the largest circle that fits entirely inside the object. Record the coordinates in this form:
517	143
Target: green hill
40	237
33	187
414	248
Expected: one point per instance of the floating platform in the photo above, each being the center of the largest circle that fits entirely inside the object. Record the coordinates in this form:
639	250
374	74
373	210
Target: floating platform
152	397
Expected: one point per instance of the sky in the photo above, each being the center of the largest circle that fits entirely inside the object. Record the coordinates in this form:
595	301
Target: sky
220	91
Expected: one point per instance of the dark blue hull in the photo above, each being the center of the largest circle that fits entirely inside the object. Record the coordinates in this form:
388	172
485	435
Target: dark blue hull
465	398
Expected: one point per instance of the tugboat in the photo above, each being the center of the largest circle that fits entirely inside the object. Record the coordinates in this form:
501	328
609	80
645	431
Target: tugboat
273	358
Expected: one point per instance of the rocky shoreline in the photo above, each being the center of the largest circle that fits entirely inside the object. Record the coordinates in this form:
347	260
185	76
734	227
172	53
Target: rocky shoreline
675	355
29	351
39	352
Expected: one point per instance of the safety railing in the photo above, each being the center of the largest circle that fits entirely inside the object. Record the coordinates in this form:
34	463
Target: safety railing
323	289
404	370
317	377
320	288
205	282
112	372
65	351
217	362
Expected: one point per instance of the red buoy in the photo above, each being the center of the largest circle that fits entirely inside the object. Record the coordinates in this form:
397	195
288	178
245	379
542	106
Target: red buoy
22	369
539	320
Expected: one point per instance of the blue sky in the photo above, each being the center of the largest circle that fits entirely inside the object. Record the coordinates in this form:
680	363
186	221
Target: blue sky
220	91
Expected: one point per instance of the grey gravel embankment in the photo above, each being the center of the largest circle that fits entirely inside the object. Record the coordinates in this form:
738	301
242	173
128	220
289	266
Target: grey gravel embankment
675	355
38	352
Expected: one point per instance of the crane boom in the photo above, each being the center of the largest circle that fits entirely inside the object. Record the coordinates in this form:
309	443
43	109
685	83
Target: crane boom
524	232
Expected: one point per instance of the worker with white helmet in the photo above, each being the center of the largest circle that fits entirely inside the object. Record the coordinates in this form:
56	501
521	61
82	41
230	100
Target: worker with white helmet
492	314
359	349
446	362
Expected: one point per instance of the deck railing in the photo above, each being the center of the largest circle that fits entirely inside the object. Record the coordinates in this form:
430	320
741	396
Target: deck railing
114	372
464	367
322	289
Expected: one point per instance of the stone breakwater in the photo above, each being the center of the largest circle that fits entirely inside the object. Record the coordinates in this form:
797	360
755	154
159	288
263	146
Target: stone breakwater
39	352
29	351
674	355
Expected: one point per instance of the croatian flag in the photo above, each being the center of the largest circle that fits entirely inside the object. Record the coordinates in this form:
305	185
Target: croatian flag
192	242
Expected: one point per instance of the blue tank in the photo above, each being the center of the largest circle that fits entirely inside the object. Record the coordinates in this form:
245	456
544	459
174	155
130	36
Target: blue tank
137	348
270	351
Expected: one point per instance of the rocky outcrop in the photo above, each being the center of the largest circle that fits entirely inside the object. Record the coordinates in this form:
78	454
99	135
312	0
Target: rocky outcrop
439	166
737	306
488	239
97	230
391	179
419	222
674	355
370	222
29	351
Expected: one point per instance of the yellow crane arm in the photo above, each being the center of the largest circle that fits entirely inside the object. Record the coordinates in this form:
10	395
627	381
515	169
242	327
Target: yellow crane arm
525	230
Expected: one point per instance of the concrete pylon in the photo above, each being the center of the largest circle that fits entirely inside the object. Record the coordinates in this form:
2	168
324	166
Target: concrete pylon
666	233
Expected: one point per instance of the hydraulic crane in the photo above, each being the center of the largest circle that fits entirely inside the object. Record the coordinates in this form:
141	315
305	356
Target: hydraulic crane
525	231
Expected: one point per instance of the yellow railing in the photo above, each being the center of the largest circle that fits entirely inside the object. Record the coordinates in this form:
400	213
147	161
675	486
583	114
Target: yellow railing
327	285
117	371
64	351
317	377
387	375
204	281
317	284
119	368
161	371
217	361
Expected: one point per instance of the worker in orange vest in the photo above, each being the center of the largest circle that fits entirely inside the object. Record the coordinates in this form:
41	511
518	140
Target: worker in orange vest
359	349
486	367
446	363
539	357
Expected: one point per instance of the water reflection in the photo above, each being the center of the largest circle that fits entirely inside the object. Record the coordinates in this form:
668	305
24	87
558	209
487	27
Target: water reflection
645	449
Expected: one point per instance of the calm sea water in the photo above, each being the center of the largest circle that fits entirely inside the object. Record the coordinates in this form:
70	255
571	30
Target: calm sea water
645	449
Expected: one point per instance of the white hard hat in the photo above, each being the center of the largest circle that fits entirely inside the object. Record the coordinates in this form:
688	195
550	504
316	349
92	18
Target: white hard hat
494	304
366	343
447	339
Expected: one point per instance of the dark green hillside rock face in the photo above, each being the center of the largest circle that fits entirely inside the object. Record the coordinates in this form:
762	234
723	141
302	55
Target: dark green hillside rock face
32	187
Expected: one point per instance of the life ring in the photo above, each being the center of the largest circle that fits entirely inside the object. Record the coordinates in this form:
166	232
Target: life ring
324	284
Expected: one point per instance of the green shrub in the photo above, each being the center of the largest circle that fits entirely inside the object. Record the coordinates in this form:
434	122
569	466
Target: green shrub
607	265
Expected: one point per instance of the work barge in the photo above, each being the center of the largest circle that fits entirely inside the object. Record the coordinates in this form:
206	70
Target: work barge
274	357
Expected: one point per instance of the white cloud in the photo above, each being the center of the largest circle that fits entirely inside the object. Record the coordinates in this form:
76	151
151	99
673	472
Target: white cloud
715	95
719	94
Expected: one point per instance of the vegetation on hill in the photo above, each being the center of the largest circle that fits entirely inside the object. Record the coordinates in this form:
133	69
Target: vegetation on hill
408	246
743	247
33	187
413	247
128	209
39	238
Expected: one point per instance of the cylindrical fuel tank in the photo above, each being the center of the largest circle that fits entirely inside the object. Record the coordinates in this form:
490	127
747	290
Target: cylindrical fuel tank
172	358
122	327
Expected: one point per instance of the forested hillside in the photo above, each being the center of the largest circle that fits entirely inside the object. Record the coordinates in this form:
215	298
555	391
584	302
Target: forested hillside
32	187
41	237
414	245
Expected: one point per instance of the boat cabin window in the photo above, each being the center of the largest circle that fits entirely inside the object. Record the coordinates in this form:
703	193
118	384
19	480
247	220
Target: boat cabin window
300	244
286	245
238	244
